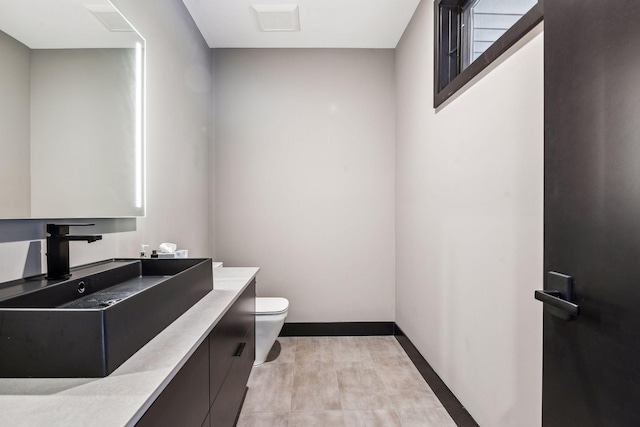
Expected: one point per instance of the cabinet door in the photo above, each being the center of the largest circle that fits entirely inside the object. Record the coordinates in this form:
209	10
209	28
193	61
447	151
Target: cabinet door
222	346
227	405
228	401
241	369
227	337
185	401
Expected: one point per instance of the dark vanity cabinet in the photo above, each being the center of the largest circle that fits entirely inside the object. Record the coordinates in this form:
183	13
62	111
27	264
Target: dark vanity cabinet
209	389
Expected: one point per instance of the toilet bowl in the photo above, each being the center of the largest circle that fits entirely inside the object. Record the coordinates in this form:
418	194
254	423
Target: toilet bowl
270	315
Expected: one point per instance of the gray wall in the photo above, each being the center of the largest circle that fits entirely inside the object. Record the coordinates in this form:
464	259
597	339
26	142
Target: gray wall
178	114
469	222
15	92
304	171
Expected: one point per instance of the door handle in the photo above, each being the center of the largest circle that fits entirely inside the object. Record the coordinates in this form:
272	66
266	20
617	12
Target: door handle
553	299
558	296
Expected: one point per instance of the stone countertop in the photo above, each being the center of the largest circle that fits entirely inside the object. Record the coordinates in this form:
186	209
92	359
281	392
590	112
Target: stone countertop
121	398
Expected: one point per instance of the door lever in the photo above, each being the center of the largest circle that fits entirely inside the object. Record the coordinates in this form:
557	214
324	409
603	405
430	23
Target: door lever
559	296
553	298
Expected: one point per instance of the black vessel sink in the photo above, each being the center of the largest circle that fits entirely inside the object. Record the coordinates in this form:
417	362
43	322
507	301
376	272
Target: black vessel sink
89	324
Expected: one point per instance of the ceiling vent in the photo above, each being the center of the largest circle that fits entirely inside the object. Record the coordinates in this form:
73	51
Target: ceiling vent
110	18
279	17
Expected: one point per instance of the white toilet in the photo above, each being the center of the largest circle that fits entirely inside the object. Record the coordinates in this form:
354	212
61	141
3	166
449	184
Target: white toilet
270	315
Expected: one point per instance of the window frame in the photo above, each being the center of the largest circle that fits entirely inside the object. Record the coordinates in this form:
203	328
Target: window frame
447	17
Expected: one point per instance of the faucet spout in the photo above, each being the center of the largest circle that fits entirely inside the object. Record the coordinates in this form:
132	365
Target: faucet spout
58	249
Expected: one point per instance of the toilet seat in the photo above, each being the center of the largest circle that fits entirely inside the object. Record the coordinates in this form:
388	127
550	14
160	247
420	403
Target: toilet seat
271	305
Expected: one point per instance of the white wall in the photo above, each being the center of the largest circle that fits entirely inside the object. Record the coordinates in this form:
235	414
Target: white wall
304	168
14	127
178	113
469	226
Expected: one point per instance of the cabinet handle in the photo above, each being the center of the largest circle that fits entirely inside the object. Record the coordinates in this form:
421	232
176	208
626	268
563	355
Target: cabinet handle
240	349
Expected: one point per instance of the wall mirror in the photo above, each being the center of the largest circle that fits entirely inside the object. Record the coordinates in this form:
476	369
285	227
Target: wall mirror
71	111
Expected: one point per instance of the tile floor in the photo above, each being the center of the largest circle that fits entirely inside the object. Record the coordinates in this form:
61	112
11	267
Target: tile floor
340	382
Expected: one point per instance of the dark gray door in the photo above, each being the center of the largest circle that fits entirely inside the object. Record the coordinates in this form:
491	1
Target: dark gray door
592	213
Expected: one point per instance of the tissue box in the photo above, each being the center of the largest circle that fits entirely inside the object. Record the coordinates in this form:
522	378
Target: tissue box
181	253
172	255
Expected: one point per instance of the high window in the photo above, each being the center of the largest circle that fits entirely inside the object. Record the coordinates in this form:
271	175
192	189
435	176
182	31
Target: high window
470	34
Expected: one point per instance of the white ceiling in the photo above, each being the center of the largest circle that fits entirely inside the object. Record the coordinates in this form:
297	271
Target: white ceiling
376	24
60	24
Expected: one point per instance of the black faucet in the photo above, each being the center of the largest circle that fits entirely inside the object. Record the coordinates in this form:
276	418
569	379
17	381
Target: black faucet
58	249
